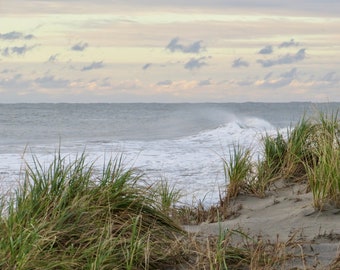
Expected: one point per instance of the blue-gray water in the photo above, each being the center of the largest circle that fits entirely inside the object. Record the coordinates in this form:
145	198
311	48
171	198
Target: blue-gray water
181	142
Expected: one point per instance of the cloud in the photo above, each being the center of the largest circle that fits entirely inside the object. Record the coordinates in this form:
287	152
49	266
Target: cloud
330	77
239	63
204	82
290	43
146	66
15	35
94	65
268	75
8	51
6	70
15	82
283	80
195	63
290	74
53	58
266	50
164	83
50	81
195	47
81	46
287	59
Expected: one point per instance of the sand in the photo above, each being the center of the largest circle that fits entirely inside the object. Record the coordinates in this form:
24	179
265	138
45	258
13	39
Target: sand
287	211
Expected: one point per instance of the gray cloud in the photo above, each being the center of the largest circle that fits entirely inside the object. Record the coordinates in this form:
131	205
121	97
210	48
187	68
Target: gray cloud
146	66
330	77
15	35
195	63
266	50
287	59
6	70
164	83
268	75
50	81
8	51
204	82
94	65
245	83
53	58
175	46
283	80
290	43
16	82
81	46
239	63
290	74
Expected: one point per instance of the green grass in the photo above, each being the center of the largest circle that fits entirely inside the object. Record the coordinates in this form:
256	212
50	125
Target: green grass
324	174
237	170
299	150
309	154
167	195
269	168
64	217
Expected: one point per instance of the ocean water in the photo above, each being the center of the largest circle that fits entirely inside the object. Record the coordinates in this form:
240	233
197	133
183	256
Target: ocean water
182	143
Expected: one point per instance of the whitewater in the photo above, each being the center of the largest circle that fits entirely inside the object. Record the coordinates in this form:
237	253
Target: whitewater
183	144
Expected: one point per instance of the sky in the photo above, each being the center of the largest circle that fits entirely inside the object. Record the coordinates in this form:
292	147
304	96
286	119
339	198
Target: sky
169	51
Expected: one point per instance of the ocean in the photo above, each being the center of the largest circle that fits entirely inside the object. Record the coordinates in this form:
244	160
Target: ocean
182	143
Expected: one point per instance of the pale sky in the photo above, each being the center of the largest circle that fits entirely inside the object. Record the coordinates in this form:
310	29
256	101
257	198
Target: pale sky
169	51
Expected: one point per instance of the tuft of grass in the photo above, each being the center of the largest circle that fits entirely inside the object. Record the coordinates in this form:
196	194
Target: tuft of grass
167	195
269	169
64	217
237	170
324	174
299	152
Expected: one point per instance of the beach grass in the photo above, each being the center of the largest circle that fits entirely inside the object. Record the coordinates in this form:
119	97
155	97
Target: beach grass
309	153
237	169
167	196
63	217
269	167
324	174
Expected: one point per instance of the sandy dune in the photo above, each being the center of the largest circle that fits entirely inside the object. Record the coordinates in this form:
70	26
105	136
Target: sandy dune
287	211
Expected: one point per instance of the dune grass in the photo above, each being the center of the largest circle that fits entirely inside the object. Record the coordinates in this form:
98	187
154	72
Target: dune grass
237	170
324	174
310	153
63	217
